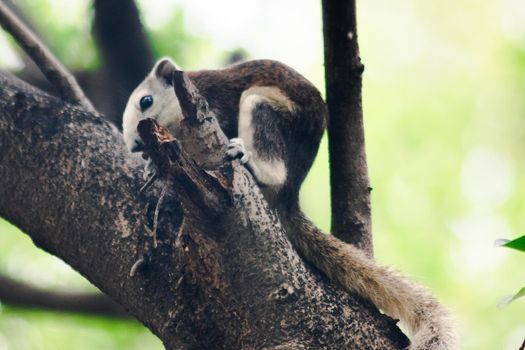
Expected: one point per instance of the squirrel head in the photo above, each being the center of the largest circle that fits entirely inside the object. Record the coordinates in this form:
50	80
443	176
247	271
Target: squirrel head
153	98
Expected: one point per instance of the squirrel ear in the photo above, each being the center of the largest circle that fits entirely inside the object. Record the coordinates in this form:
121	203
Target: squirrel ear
164	69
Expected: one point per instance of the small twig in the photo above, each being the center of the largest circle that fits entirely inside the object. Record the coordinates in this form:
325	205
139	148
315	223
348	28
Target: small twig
136	266
179	282
157	211
53	70
152	232
148	230
149	182
522	347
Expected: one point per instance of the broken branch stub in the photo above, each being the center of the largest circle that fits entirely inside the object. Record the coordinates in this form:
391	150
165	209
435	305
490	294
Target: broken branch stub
200	133
206	192
189	98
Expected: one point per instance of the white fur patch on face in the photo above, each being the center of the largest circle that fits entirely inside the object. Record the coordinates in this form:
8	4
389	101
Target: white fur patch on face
165	109
271	172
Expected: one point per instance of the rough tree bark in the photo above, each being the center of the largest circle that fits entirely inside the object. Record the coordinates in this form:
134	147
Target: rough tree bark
350	186
223	281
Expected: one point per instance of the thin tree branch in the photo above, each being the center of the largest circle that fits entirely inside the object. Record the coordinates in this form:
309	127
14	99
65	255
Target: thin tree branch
54	71
22	17
350	186
21	294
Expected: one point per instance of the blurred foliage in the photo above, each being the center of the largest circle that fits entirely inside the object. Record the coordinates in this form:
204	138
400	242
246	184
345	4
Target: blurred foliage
444	122
21	329
172	39
445	128
69	37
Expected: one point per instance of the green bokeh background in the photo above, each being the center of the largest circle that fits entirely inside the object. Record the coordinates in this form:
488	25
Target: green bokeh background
444	110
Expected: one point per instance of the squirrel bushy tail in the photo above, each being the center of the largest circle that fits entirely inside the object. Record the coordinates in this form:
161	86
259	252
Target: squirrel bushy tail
430	325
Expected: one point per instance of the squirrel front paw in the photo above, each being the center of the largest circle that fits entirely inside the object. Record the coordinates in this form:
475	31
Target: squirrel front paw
236	150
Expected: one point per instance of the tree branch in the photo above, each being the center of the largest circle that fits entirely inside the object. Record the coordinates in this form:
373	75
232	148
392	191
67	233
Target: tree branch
20	294
205	194
229	282
57	75
350	186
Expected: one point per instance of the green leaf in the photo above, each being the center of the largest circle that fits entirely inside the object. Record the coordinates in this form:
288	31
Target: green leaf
518	243
520	294
509	299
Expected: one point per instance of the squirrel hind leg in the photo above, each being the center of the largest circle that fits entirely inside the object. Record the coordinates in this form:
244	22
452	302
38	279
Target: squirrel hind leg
267	173
260	144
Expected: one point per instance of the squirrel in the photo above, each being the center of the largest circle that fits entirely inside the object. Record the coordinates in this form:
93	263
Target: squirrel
274	119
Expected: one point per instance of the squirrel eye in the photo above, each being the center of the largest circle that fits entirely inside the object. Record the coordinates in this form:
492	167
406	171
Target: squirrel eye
146	102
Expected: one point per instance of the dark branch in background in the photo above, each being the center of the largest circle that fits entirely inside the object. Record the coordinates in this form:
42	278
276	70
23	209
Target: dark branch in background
20	294
97	86
126	52
236	56
57	75
21	16
30	72
350	186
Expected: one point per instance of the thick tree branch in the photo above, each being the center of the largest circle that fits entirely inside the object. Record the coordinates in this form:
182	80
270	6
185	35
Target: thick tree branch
350	186
229	282
54	71
126	52
16	293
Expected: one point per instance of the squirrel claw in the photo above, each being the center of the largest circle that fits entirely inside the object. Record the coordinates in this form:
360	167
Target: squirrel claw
237	150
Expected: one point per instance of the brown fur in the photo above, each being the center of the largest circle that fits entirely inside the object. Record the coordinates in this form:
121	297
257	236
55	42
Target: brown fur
223	88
